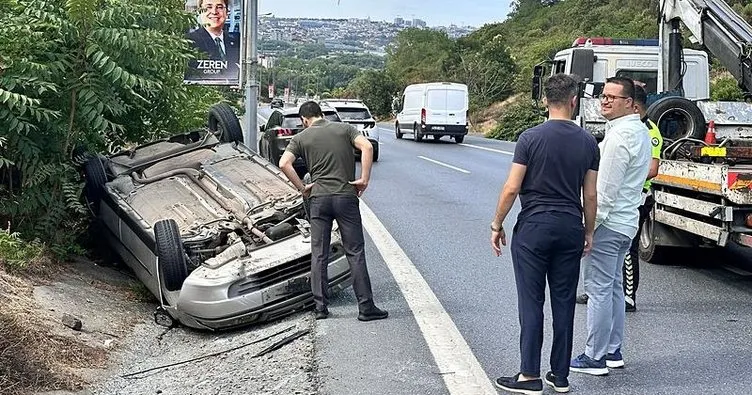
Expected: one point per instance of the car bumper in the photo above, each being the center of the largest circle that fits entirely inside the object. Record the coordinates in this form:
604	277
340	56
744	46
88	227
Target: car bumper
444	130
249	290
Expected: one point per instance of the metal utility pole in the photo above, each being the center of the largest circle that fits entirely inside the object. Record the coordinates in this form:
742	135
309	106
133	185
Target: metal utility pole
251	64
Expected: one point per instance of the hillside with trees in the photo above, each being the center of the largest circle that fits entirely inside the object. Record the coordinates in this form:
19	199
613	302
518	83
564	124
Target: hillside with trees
496	60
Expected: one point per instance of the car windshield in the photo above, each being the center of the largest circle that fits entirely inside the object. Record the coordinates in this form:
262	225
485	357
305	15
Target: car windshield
293	121
353	113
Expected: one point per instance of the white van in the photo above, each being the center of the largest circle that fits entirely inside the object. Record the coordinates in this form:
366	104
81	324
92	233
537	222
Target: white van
437	109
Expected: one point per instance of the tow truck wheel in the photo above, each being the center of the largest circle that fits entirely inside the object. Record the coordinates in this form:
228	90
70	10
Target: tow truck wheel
677	118
649	251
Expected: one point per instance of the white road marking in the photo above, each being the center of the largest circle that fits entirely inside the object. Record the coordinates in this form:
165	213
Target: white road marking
488	149
444	164
457	364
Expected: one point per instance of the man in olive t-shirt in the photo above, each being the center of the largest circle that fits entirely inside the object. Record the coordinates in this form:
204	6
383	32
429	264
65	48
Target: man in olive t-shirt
328	150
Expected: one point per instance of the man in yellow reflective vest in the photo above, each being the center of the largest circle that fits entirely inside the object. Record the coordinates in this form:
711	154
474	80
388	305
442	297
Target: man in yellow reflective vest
631	267
632	260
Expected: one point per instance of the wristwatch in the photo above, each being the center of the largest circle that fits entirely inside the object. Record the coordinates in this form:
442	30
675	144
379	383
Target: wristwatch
499	229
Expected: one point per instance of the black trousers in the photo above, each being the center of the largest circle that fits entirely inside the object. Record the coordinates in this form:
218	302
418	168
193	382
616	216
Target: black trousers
631	268
345	209
547	246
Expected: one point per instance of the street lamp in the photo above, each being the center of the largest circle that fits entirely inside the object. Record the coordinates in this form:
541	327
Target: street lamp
251	64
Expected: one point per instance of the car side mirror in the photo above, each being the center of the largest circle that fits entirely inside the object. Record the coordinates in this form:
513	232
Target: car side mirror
262	128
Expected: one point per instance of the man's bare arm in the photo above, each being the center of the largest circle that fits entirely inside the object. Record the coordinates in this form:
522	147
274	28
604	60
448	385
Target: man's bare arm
653	168
509	193
590	200
366	156
285	164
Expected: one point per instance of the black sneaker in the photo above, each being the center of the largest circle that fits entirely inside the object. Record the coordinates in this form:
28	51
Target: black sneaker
629	305
321	314
530	387
373	313
582	299
560	384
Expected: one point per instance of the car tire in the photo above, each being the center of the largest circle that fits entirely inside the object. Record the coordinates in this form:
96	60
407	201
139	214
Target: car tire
172	265
666	112
225	124
376	152
417	135
397	132
95	180
459	139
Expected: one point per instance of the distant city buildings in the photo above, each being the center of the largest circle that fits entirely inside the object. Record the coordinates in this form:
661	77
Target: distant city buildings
346	35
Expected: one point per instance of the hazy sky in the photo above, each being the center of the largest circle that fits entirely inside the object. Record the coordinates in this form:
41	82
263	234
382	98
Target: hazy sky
434	12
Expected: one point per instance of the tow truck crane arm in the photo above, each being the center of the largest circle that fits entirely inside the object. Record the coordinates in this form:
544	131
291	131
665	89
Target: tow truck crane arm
712	23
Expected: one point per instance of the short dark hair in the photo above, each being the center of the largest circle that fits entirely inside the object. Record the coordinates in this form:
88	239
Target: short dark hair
640	96
627	85
310	109
560	89
201	2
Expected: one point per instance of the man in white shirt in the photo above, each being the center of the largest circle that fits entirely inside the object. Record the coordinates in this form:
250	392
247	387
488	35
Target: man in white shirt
625	159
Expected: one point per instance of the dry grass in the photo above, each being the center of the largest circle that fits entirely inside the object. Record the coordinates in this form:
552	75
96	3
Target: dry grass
30	358
485	120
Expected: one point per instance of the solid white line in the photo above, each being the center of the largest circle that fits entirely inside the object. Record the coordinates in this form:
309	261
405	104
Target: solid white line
444	164
488	149
457	364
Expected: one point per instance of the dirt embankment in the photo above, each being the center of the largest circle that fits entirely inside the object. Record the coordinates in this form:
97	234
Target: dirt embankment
114	347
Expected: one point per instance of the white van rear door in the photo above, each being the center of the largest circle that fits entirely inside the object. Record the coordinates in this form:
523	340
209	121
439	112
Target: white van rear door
446	106
436	106
456	106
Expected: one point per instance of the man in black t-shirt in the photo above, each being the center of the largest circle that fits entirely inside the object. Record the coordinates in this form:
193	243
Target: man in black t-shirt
554	172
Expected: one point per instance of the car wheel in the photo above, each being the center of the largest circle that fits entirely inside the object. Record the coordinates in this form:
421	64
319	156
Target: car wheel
648	250
459	139
417	136
437	137
397	131
95	177
170	254
225	124
376	152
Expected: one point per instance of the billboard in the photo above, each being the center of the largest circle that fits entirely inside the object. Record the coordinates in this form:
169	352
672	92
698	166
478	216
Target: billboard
217	37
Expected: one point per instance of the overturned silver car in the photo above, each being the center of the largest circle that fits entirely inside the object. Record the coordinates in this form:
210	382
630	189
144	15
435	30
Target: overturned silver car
212	229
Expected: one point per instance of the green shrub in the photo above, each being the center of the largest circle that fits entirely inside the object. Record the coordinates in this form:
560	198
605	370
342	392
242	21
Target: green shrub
725	88
515	119
15	253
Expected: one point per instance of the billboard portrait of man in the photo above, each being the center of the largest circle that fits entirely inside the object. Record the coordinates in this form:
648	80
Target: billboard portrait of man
219	44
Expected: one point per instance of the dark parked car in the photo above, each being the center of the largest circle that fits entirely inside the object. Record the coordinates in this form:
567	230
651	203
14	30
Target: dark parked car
356	113
213	230
278	103
278	131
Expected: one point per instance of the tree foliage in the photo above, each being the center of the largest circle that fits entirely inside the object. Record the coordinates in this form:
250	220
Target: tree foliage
98	73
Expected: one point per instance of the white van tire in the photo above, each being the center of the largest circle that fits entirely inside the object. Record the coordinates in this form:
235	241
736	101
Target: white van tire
417	135
397	131
459	139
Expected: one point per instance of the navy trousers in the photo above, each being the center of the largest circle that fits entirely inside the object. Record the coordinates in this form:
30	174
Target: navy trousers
547	246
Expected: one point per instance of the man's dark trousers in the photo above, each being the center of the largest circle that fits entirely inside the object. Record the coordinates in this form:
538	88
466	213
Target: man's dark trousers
547	245
345	209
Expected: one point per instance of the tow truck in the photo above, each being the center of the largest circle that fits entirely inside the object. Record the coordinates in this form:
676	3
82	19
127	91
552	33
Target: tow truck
703	190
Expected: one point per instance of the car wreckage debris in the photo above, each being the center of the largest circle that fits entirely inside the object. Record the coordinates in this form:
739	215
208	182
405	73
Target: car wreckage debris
278	344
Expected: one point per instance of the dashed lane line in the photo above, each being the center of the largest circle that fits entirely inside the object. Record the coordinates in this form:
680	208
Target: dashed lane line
444	164
487	149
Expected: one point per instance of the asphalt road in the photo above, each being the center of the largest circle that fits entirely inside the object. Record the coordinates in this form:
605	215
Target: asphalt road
692	333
